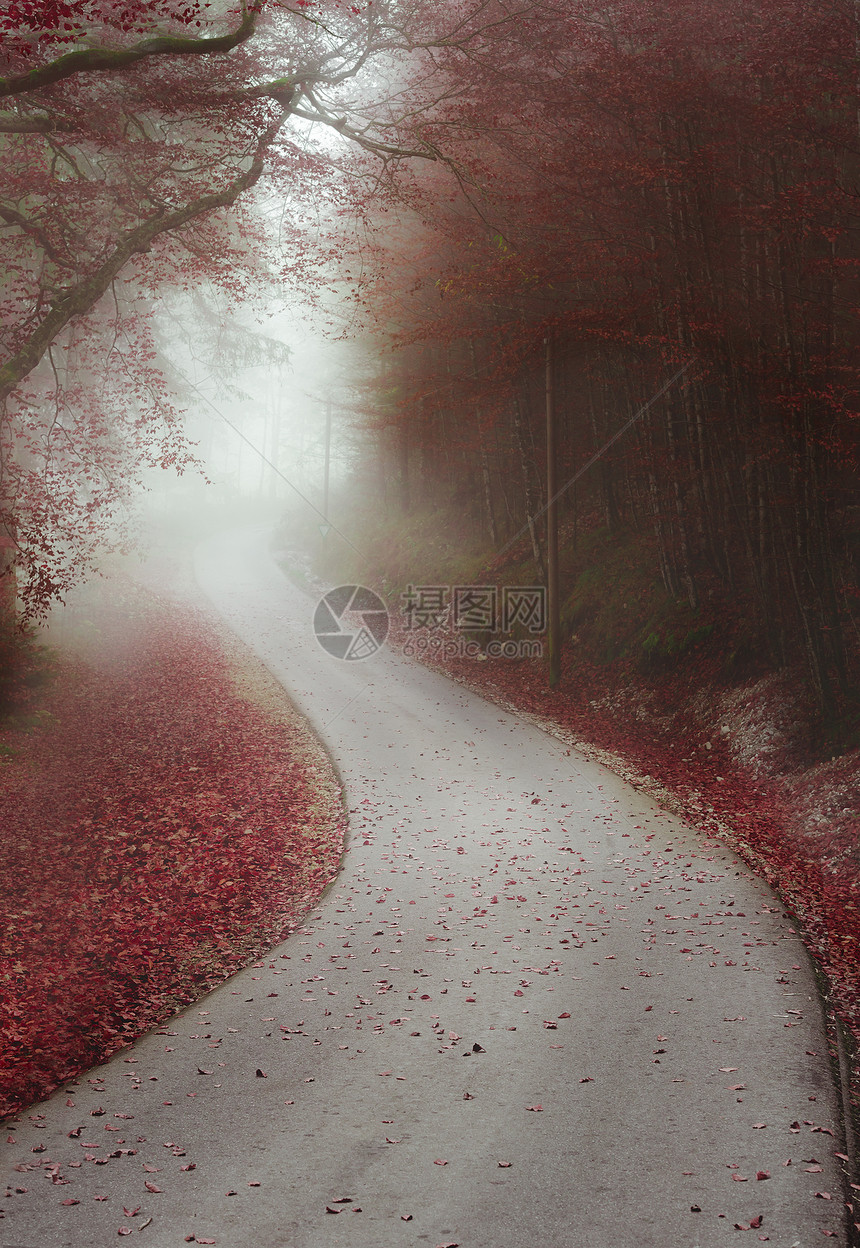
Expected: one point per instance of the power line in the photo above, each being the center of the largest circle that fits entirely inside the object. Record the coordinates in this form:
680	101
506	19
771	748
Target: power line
594	458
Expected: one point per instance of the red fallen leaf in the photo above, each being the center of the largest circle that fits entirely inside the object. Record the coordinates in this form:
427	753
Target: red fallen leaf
762	1174
131	1213
829	1234
406	1217
587	1079
201	1071
70	1201
127	1230
695	1208
738	1178
151	1187
550	1026
254	1184
260	1074
192	1165
97	1113
823	1195
564	1015
728	1070
468	1096
440	1162
737	1087
206	1241
450	1243
742	1226
329	1209
388	1140
759	1126
505	1165
813	1169
756	1222
150	1169
535	1109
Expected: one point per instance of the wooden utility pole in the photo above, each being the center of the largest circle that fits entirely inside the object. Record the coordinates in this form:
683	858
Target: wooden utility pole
553	606
327	457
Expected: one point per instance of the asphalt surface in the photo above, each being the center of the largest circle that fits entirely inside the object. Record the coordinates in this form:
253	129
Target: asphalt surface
534	1010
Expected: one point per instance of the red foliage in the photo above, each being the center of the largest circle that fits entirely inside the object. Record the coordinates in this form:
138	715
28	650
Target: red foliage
163	831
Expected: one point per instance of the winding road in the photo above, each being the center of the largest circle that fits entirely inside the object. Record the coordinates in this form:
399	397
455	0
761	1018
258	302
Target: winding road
533	1010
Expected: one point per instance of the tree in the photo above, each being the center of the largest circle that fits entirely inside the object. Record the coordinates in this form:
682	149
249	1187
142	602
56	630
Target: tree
658	191
127	132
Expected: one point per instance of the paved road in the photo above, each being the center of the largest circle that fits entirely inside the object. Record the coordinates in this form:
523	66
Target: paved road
534	1010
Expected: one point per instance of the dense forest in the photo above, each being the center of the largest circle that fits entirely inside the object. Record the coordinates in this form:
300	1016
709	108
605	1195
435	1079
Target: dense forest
642	216
655	232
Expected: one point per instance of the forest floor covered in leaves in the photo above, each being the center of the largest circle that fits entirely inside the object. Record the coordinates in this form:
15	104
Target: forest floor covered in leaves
167	816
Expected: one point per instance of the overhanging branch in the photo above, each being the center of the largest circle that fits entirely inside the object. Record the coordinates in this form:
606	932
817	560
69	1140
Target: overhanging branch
80	298
89	60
